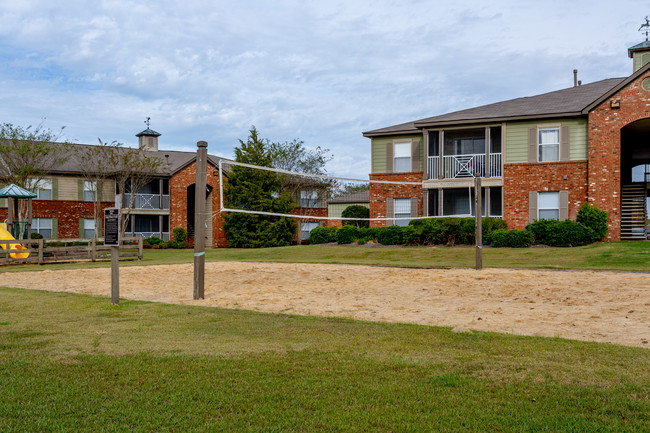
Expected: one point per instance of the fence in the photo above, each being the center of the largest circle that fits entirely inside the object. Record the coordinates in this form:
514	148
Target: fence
64	250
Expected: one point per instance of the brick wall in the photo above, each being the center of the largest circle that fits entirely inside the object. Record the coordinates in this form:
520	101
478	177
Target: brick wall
380	192
520	179
605	125
67	212
178	185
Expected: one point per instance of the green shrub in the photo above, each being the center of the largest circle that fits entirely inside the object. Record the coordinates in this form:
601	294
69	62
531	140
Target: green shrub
450	229
497	238
565	233
391	235
153	240
347	234
509	238
175	245
593	218
490	224
322	235
37	236
411	235
368	234
356	211
180	234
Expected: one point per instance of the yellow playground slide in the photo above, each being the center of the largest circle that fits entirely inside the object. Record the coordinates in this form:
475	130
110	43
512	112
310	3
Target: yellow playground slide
6	236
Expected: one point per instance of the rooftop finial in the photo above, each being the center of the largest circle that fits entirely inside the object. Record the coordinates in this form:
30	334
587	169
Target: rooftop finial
645	28
148	121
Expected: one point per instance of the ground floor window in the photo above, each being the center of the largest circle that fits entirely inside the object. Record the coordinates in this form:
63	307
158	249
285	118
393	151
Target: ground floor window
42	226
548	205
306	228
89	228
402	210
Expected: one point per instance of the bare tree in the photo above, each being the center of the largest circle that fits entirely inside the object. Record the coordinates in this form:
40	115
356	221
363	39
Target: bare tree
97	167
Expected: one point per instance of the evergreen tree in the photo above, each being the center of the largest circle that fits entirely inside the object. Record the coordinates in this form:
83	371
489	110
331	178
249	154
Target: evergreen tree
258	190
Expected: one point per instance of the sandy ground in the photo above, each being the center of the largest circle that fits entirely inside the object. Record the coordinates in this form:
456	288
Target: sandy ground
596	306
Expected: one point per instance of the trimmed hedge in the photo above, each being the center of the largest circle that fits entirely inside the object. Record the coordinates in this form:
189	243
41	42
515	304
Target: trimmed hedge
565	233
322	235
347	234
510	238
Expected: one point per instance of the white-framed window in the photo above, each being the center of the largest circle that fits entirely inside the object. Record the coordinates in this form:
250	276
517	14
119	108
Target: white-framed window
402	210
549	144
43	189
402	157
306	228
89	228
309	198
42	226
548	205
90	186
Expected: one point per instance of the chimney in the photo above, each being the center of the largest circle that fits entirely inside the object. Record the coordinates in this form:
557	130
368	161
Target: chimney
575	78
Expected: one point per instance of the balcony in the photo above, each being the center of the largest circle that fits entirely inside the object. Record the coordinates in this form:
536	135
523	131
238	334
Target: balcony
145	201
465	166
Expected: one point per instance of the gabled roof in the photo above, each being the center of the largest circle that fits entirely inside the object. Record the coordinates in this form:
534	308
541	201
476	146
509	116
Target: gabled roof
355	197
567	102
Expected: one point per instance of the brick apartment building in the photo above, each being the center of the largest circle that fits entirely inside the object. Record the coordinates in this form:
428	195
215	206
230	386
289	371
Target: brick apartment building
539	157
64	206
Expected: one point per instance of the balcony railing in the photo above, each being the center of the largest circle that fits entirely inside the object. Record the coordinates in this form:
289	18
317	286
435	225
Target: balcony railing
162	235
146	201
463	166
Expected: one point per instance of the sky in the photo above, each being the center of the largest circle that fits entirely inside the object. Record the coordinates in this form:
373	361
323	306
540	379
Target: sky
319	71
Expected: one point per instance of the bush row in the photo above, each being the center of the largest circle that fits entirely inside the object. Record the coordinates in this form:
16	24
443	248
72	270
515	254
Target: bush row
432	231
591	226
179	242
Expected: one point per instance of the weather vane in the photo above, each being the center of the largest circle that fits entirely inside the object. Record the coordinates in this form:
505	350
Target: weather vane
645	28
148	121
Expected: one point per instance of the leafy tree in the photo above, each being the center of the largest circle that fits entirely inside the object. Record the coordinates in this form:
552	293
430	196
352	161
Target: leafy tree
28	155
356	211
257	190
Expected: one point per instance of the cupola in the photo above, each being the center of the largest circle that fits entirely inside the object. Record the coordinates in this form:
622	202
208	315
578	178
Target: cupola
148	139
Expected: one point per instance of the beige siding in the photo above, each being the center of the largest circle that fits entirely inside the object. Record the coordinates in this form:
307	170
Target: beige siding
335	210
379	150
108	190
68	188
517	138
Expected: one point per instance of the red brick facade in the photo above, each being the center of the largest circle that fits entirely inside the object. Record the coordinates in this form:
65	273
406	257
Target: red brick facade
66	212
380	193
520	179
605	124
178	185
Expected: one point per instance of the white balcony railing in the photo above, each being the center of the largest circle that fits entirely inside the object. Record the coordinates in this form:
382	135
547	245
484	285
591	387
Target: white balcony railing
145	201
162	235
462	166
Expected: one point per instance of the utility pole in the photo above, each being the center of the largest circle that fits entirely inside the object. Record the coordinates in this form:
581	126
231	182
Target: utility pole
199	218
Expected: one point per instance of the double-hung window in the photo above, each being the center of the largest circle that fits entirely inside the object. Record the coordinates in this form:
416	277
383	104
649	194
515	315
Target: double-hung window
42	226
548	205
309	198
402	157
89	228
90	187
549	144
43	189
402	210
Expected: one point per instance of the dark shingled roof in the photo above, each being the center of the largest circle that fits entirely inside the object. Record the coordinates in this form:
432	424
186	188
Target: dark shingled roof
566	102
355	197
177	161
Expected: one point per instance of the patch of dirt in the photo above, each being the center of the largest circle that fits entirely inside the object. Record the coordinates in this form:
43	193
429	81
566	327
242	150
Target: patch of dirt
597	306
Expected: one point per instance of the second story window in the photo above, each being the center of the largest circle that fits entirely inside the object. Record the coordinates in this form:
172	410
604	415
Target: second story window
549	144
90	186
44	189
402	157
309	198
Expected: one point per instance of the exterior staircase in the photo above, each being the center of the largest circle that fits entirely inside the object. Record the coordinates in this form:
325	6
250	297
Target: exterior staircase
633	211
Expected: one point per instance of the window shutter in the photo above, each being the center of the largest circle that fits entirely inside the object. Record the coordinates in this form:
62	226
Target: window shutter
81	228
100	227
532	206
565	143
390	213
80	189
55	228
389	157
55	188
414	207
415	155
564	205
532	145
99	192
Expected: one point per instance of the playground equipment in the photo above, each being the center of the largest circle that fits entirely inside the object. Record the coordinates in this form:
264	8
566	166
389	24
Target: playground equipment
6	236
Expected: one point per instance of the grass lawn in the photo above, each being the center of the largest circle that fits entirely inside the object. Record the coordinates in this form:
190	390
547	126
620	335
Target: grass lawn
623	256
76	363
